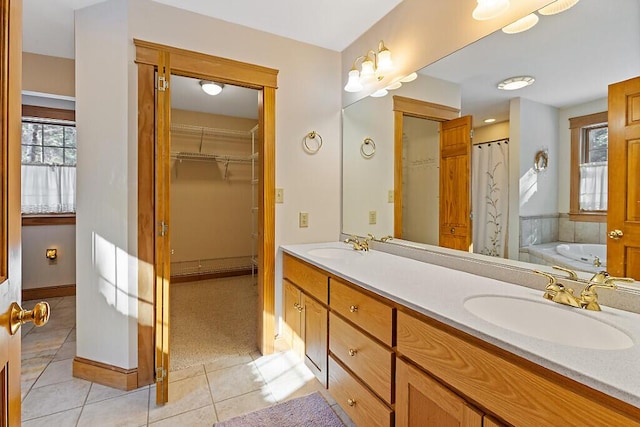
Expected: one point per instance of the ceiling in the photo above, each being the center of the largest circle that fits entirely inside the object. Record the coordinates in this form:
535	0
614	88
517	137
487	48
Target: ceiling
573	56
332	24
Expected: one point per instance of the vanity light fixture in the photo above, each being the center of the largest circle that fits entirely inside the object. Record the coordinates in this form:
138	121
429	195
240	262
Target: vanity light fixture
211	88
514	83
394	86
379	93
557	7
373	68
522	24
489	9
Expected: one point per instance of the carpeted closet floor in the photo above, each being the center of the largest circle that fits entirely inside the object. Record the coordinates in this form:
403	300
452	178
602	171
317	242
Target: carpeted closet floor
211	319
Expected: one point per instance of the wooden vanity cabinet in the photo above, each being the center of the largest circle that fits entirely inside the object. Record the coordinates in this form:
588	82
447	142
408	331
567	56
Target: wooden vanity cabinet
306	316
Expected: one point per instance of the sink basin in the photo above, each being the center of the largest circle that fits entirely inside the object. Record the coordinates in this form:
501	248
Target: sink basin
548	321
334	253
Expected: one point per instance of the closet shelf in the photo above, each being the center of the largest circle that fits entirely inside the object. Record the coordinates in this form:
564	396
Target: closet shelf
210	131
224	158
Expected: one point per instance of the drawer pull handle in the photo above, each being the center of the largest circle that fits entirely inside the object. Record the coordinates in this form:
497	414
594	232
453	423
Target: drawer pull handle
351	402
353	352
353	308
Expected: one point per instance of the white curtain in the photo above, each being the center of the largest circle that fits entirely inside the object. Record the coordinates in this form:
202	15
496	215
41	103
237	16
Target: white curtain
490	180
594	181
48	189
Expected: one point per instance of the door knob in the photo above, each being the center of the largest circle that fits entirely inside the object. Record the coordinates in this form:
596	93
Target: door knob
616	234
17	316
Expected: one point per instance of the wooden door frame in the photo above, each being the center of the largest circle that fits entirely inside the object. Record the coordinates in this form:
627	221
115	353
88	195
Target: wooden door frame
198	65
403	106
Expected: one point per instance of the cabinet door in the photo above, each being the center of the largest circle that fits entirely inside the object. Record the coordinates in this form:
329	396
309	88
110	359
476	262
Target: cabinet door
422	402
292	328
315	318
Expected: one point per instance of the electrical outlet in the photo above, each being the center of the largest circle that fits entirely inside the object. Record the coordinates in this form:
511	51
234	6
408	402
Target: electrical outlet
303	220
390	196
373	217
279	195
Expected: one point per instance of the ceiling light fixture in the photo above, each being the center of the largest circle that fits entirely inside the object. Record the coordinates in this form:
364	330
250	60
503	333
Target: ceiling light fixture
557	7
211	88
373	68
491	120
522	24
514	83
489	9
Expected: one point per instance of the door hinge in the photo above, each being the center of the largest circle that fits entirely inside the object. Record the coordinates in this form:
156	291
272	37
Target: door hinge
163	228
471	215
161	374
471	134
163	84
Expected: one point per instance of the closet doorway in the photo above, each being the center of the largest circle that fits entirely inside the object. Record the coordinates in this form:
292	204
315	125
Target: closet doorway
214	223
156	64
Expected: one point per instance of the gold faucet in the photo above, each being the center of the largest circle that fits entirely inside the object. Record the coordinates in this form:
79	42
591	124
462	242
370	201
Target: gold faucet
596	261
358	245
588	298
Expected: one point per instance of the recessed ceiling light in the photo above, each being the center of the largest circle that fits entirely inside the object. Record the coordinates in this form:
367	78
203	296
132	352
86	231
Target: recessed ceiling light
211	88
489	120
379	93
522	24
514	83
557	7
411	77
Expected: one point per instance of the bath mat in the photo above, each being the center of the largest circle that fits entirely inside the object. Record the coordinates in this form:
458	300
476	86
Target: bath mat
307	411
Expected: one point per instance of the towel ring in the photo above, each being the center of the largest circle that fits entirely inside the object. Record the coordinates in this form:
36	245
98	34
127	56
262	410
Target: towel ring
367	154
541	161
312	136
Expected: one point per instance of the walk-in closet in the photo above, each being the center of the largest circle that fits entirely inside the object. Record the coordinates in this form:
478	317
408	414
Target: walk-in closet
213	220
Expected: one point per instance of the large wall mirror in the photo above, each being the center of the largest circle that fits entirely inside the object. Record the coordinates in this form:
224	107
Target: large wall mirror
521	210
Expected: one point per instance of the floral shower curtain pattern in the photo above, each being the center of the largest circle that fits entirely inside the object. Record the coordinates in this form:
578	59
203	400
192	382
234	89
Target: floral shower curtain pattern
490	183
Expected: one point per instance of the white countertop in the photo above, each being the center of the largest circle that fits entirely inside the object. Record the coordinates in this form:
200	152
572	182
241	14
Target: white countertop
440	293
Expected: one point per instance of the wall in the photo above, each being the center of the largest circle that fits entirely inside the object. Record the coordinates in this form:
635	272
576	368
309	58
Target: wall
421	175
308	98
491	132
48	75
210	212
38	271
419	32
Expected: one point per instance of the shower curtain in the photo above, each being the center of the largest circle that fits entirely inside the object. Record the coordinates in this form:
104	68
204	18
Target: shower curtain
490	183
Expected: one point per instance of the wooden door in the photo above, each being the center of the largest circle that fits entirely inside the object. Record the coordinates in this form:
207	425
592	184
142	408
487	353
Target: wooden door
623	216
421	401
315	318
291	314
163	233
455	179
10	221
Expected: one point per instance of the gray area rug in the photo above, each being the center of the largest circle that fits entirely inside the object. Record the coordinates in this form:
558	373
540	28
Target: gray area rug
307	411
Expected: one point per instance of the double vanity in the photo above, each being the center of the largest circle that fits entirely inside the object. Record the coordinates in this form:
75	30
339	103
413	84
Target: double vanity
402	342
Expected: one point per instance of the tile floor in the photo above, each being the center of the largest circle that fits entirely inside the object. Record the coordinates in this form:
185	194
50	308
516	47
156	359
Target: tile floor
199	395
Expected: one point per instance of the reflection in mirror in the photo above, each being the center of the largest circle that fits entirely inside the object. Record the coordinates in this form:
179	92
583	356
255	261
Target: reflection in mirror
533	119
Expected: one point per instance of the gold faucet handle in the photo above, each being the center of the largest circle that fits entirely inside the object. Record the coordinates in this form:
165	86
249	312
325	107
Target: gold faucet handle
572	274
612	280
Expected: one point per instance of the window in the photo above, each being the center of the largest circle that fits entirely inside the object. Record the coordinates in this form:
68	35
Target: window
589	167
49	156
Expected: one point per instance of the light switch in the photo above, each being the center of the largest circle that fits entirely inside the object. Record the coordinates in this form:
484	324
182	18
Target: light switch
279	195
303	220
373	217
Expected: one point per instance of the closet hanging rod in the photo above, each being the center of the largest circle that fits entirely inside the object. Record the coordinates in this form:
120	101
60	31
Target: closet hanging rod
210	131
505	140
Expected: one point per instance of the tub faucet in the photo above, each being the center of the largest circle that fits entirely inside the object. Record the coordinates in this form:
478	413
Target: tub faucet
596	261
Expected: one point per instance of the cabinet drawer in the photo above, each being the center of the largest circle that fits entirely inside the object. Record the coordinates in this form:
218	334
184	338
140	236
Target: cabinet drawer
362	406
370	361
311	280
368	313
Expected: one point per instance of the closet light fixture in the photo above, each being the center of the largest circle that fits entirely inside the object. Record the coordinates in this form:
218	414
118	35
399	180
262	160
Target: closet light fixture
557	7
373	68
522	24
489	9
211	88
514	83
